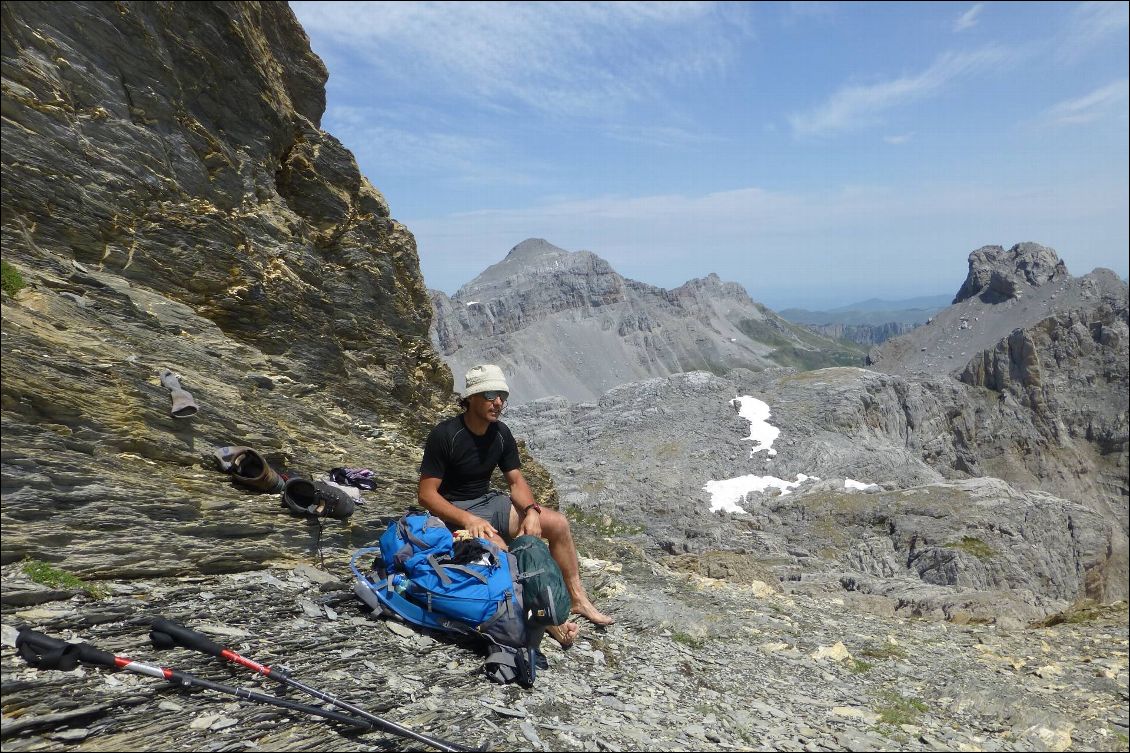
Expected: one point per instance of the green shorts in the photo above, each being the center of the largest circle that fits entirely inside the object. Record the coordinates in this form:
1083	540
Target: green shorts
493	507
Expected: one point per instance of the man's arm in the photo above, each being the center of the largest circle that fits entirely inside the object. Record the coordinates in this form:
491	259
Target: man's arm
432	501
530	518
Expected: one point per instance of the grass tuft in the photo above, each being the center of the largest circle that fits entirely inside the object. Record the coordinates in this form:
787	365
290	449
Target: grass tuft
973	545
603	524
897	709
687	639
1082	612
48	575
10	279
883	651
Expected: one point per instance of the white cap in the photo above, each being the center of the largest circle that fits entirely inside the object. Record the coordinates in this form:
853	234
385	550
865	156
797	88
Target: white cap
484	378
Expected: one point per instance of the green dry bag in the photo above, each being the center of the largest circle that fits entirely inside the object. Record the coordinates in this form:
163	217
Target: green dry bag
544	594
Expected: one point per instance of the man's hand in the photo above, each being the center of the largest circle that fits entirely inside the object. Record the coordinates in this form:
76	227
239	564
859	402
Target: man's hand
531	524
479	528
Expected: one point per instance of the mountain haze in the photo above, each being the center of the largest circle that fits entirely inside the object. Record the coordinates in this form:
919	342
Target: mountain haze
869	322
566	323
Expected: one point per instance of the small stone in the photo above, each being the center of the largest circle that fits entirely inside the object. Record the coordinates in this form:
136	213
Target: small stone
836	652
203	722
856	712
315	575
72	735
400	629
505	710
309	608
531	734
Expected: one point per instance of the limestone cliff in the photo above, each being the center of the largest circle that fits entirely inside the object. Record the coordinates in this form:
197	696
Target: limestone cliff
1054	346
170	200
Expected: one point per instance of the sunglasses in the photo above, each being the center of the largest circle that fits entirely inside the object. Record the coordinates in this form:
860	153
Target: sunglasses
491	395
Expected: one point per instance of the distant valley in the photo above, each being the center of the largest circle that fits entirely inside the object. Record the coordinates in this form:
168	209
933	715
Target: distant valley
869	322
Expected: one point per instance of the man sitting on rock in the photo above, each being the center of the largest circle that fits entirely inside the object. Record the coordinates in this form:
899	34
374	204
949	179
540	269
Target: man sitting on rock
459	457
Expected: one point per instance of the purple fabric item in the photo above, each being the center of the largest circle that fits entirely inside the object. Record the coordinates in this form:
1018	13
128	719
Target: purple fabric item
362	478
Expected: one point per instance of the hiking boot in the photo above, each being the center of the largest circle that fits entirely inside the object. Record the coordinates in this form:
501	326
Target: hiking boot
253	471
317	498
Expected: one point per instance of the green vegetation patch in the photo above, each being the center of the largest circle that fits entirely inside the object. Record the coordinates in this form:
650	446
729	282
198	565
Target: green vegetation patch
694	641
788	353
603	524
895	709
973	545
11	279
47	574
1082	612
882	651
859	667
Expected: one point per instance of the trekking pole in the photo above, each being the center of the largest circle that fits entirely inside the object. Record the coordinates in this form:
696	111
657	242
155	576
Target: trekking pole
166	634
44	652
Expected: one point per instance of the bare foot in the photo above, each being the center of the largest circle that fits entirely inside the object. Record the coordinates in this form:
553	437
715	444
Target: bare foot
564	634
591	613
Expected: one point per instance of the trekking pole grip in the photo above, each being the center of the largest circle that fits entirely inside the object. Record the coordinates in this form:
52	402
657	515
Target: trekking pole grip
44	652
166	633
39	641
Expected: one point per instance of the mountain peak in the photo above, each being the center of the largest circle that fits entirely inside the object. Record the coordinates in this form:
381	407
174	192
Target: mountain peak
996	275
533	248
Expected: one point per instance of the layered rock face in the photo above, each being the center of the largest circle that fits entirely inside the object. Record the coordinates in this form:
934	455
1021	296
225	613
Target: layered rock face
170	201
1031	391
644	453
863	334
1031	335
565	323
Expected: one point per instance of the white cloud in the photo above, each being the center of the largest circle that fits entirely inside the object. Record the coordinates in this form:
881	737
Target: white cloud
386	143
561	58
1090	25
772	240
968	19
901	138
656	135
1102	102
854	106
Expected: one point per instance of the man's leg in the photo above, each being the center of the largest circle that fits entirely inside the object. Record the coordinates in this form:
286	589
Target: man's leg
555	528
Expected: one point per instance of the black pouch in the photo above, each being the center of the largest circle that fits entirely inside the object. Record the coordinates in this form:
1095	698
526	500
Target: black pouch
505	665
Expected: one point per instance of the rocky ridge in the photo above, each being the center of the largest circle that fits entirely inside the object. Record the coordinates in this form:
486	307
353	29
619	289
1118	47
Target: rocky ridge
931	445
674	673
1027	333
565	323
164	212
170	201
644	453
868	323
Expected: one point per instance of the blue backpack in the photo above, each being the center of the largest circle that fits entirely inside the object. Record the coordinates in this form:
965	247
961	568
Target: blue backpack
423	577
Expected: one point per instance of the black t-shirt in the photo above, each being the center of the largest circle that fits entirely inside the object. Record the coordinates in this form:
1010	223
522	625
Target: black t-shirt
465	461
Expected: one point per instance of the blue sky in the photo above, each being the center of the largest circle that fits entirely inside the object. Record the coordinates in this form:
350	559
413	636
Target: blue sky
816	153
